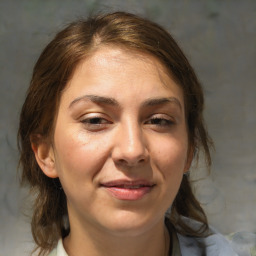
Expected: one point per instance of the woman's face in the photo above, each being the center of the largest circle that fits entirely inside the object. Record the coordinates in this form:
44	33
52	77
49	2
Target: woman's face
120	142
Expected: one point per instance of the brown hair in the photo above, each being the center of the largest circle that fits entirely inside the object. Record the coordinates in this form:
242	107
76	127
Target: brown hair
51	73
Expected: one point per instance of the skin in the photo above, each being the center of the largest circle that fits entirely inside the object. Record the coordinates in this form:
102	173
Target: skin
122	132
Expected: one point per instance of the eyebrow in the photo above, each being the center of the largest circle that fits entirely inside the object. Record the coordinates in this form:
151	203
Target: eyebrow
95	99
113	102
161	101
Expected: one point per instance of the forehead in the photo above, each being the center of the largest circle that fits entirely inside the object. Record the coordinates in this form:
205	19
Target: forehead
115	70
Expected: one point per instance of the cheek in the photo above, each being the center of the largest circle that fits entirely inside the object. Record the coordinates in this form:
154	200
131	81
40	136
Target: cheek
170	159
172	154
81	155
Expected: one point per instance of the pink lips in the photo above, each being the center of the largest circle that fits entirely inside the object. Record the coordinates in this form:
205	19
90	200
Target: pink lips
128	190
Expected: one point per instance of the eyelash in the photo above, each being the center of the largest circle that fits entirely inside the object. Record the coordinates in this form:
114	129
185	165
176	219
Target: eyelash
90	120
160	121
97	123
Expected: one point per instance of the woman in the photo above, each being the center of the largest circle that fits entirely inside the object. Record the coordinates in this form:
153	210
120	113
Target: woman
110	125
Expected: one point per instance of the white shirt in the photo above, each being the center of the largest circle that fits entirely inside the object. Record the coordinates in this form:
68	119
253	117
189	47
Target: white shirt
59	250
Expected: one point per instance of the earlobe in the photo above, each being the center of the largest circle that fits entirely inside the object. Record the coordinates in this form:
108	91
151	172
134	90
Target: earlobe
44	155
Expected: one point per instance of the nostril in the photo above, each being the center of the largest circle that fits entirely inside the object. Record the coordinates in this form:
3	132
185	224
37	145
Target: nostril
130	162
122	161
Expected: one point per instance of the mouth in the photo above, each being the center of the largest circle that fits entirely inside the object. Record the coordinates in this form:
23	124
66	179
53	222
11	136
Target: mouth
128	189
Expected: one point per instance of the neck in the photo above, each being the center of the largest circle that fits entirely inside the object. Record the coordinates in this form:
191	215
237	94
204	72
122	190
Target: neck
87	241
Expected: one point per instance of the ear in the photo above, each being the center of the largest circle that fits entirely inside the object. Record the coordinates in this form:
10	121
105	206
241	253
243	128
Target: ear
44	155
190	156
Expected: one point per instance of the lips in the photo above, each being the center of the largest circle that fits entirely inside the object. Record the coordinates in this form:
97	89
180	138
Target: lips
128	189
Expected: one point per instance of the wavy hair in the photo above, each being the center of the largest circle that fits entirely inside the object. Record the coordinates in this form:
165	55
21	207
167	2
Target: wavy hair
51	74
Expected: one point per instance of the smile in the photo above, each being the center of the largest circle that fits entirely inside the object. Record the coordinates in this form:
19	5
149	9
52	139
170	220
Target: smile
128	190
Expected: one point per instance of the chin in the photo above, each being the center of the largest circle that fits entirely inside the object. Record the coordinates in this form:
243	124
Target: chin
128	223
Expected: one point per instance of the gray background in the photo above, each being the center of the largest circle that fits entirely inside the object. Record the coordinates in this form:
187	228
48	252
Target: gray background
219	38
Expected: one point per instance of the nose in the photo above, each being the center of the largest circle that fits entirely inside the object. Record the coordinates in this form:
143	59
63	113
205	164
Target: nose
130	147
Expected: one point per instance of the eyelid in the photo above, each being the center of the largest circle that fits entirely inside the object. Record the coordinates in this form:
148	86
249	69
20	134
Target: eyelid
104	121
162	116
93	115
92	118
163	120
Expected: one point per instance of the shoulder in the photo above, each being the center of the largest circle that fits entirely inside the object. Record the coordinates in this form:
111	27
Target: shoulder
213	244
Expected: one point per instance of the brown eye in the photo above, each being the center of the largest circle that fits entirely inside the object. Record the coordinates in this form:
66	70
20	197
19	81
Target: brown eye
160	121
95	123
94	120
